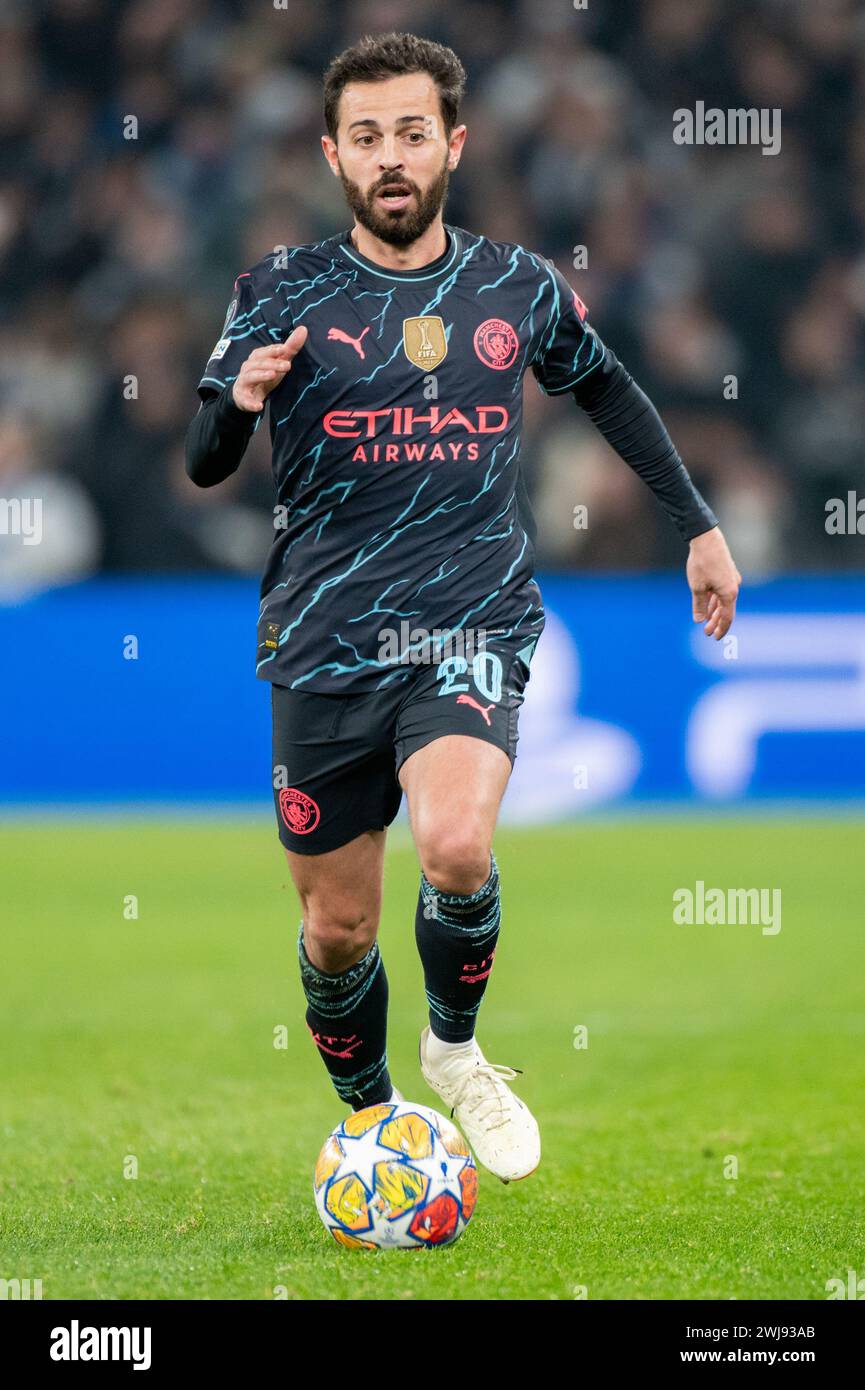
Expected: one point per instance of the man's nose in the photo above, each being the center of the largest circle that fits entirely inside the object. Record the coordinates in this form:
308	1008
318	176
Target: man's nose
390	155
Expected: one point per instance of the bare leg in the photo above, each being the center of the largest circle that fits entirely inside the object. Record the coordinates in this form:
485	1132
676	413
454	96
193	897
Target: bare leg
341	968
454	787
340	894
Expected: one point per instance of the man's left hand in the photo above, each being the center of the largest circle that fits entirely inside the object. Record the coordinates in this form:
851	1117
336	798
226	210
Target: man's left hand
714	582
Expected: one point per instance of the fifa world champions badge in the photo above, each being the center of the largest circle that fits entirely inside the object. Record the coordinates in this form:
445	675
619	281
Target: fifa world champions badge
424	341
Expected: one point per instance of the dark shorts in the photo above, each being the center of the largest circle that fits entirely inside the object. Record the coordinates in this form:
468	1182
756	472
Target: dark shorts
336	758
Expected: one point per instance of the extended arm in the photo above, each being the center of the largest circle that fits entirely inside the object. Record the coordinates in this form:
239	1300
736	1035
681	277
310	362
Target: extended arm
571	357
630	423
632	426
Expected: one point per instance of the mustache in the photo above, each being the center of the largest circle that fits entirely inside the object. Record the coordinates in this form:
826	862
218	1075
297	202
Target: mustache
393	183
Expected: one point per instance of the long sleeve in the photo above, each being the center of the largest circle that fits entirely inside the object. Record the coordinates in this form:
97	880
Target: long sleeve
570	356
217	439
632	426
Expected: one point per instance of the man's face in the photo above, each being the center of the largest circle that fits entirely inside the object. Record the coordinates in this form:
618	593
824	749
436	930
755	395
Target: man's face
392	155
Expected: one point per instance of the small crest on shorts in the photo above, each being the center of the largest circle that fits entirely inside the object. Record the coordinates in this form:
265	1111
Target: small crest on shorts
425	341
271	635
299	812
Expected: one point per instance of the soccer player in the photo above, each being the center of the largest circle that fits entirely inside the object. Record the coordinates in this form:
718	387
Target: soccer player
399	612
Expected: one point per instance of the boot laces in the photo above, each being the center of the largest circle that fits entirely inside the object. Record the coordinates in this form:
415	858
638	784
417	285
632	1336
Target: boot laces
483	1092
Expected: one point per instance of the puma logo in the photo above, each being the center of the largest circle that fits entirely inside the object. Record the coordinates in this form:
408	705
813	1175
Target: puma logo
337	335
470	700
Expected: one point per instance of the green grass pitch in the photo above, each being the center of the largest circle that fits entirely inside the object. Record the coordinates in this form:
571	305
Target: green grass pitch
153	1038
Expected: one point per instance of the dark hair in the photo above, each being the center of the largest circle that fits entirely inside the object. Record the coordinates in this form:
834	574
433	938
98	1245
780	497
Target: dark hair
378	57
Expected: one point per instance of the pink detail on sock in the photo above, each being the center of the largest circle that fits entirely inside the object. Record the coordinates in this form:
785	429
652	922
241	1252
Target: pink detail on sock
476	975
351	1044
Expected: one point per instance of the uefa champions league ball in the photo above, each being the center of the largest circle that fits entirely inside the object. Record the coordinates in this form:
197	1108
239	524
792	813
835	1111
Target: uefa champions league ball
395	1176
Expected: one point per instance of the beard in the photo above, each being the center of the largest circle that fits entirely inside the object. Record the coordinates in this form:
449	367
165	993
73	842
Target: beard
404	225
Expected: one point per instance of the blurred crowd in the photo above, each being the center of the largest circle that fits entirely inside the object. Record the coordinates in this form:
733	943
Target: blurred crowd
152	149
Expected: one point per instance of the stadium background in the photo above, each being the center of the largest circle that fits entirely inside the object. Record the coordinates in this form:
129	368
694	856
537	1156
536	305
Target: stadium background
117	259
149	922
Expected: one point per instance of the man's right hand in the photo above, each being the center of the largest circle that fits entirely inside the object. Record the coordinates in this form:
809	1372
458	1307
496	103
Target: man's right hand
264	369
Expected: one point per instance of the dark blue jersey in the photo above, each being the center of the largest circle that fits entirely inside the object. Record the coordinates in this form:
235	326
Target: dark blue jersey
396	439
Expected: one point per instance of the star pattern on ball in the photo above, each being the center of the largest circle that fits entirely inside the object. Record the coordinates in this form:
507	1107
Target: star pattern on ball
400	1175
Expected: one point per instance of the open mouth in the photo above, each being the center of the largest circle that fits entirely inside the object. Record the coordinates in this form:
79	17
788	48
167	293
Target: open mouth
394	195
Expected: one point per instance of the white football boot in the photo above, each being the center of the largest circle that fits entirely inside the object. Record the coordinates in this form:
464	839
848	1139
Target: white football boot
499	1126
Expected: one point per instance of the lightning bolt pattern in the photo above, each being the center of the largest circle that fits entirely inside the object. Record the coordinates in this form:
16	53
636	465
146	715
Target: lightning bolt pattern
396	467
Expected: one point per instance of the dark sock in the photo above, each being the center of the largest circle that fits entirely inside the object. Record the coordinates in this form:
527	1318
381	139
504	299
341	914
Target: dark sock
347	1017
456	936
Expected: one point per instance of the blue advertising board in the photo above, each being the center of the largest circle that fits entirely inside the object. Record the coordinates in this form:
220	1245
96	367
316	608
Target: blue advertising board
143	691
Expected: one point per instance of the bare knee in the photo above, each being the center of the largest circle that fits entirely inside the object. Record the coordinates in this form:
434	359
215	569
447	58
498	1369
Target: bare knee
457	860
336	936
